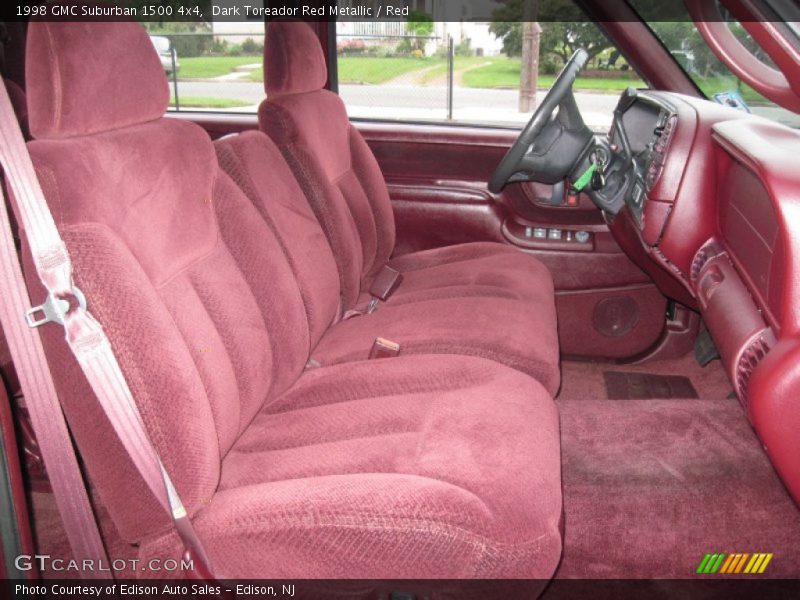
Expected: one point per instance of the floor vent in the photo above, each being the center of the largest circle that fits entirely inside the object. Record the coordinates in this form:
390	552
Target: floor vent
647	386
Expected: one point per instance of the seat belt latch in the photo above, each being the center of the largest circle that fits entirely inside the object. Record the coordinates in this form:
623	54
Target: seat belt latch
383	348
385	283
53	309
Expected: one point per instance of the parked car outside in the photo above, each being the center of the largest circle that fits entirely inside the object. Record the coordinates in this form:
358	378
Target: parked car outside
164	48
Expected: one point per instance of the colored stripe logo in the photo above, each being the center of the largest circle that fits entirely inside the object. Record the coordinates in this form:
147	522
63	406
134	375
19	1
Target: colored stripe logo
734	563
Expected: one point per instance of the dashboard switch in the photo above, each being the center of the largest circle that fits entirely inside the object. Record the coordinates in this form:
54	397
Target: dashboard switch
540	233
554	234
581	237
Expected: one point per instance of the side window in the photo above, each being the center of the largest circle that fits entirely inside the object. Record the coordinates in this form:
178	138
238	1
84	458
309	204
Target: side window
212	66
421	69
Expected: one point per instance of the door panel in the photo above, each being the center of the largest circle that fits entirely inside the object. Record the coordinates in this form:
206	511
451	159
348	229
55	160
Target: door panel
432	216
607	306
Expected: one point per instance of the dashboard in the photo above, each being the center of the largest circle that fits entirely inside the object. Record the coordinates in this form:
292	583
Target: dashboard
647	124
712	213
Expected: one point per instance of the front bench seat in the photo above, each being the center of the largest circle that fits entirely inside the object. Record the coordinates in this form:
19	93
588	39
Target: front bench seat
348	193
482	321
405	467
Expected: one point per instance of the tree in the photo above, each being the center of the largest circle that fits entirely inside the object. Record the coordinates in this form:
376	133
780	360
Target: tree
686	44
565	28
420	24
562	38
511	34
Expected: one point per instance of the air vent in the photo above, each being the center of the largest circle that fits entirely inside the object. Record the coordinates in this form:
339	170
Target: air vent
698	263
748	361
708	251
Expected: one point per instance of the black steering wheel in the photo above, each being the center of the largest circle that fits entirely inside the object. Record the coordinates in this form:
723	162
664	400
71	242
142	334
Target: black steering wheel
550	147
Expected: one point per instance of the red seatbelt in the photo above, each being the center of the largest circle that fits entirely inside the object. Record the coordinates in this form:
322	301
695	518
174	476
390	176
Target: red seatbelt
66	305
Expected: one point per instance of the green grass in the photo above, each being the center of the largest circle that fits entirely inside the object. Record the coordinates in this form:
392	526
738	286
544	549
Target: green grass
722	83
207	102
461	63
206	67
373	70
256	74
473	71
505	73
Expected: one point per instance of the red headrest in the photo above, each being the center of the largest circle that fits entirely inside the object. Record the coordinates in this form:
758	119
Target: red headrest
84	78
293	59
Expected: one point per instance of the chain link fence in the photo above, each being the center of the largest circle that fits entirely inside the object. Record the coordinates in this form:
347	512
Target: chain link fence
380	76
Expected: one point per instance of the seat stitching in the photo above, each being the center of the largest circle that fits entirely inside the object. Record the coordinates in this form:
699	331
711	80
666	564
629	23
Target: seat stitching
403	523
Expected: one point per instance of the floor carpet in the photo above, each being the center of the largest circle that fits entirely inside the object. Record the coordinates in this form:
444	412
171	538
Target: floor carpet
586	380
651	486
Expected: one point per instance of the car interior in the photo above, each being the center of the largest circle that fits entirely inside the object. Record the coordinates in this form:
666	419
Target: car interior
390	350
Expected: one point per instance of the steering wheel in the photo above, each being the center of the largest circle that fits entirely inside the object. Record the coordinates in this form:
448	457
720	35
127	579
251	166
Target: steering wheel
550	147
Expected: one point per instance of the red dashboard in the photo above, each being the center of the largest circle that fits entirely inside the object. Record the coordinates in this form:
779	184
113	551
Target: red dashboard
724	223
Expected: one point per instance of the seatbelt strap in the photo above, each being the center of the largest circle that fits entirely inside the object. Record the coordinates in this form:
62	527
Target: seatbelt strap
45	411
66	305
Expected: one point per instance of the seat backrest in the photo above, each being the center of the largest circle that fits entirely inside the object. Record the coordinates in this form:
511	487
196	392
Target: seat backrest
193	289
280	201
331	160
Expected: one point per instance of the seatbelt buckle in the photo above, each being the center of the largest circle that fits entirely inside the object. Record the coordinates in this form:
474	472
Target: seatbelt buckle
385	283
383	348
54	309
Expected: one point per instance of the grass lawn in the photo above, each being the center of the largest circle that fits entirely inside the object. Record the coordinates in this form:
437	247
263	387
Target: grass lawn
373	69
461	63
505	72
473	71
204	67
719	83
207	102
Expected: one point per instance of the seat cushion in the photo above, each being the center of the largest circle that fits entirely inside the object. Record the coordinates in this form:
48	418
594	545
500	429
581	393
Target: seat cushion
476	269
412	467
505	330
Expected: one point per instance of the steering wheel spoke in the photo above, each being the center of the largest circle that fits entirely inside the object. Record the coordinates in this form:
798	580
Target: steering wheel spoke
552	146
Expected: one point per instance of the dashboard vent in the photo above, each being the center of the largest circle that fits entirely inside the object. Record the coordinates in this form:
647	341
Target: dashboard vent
748	361
708	251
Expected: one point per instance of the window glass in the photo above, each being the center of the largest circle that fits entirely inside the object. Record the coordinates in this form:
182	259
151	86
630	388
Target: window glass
682	39
471	71
213	66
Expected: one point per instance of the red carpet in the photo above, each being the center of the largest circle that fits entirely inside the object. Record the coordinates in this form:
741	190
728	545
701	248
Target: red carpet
650	486
584	380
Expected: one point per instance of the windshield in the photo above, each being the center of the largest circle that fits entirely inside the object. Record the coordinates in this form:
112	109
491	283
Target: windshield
682	39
